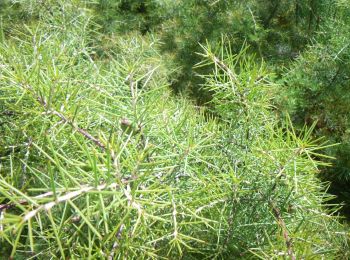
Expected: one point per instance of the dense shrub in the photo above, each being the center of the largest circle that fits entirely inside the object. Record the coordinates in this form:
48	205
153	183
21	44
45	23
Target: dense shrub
100	160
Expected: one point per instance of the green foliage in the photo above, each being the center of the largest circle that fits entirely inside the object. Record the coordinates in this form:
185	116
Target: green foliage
277	30
289	24
318	90
123	15
100	160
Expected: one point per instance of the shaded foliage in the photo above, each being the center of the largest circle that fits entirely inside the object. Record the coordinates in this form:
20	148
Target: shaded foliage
317	89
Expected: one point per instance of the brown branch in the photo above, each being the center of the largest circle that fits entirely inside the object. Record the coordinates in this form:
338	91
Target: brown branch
277	212
82	131
282	224
65	119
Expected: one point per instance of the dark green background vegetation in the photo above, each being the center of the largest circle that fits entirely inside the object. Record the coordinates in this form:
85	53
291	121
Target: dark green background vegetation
220	85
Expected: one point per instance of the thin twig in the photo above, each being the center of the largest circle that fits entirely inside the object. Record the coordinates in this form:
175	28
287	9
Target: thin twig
26	156
82	131
68	196
65	119
282	224
116	244
133	89
23	202
275	209
2	217
228	71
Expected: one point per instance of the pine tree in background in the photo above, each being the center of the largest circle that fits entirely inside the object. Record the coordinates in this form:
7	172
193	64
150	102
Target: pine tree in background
275	30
